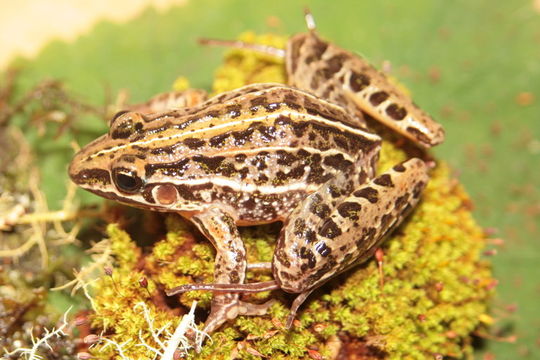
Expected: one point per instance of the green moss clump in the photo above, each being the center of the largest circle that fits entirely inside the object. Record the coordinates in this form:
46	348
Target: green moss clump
435	284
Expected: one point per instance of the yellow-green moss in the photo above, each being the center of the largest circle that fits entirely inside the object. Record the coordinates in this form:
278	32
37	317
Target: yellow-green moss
435	284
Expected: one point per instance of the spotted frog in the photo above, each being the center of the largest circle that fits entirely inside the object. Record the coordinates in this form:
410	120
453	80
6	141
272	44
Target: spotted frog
265	153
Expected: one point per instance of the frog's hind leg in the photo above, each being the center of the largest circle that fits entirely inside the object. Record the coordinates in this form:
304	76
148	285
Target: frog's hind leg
328	233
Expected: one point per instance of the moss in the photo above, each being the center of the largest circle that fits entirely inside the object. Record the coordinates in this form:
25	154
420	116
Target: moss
435	284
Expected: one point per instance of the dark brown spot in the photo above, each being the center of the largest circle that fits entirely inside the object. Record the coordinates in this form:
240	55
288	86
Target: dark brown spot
419	135
211	114
244	136
249	204
337	161
168	169
188	193
259	161
386	220
273	107
240	158
378	97
92	176
291	100
334	191
194	143
368	193
396	112
399	168
268	133
167	150
211	163
299	227
349	210
318	208
297	172
285	158
335	63
312	107
305	253
365	240
319	47
283	120
258	102
400	202
384	180
362	177
418	189
244	172
262	179
358	81
310	236
281	256
128	158
218	140
309	59
234	111
329	229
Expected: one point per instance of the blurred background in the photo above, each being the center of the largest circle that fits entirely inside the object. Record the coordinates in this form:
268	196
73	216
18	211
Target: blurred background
473	64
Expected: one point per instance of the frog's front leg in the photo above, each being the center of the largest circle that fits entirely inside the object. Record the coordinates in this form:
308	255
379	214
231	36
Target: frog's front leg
330	232
230	266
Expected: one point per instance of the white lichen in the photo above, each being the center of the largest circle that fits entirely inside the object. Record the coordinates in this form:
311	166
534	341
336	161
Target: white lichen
37	343
186	336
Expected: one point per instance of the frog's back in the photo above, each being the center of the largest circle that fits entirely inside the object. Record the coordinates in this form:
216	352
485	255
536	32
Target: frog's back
258	150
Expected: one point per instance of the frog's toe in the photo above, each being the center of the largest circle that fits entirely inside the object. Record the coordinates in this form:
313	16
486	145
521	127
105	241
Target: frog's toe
224	308
224	312
249	309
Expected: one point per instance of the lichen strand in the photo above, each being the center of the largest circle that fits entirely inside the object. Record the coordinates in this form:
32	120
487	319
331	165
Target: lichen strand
435	285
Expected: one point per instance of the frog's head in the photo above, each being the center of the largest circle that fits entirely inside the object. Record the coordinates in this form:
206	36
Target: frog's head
115	166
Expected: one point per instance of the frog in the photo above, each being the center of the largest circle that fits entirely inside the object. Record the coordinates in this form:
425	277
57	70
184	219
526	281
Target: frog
255	155
301	153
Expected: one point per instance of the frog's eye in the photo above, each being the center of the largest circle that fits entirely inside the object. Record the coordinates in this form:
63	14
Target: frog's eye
126	180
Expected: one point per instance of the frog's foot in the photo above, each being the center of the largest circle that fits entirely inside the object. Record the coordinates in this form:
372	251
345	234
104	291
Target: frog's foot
224	310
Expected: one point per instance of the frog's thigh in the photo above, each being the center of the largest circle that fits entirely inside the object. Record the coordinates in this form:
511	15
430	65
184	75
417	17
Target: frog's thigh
325	236
230	264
